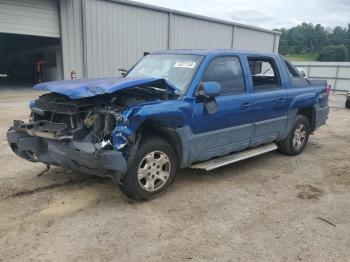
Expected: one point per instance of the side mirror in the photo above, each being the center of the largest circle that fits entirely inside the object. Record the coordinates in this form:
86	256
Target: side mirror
122	71
209	90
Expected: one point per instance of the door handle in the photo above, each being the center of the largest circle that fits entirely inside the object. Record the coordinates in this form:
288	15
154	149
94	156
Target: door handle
245	105
280	101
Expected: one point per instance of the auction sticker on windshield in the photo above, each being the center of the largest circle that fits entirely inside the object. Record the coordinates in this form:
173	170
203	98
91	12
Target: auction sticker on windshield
184	64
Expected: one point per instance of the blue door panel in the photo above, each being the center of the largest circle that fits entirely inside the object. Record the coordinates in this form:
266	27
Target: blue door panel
269	109
228	130
231	112
219	143
269	115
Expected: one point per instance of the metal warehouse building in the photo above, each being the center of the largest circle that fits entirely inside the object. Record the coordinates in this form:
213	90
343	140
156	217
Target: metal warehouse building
96	37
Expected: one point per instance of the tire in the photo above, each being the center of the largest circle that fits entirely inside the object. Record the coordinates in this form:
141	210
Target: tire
347	103
155	163
297	138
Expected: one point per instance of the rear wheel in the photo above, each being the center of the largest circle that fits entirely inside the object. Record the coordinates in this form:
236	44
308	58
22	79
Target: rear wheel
152	170
347	103
297	138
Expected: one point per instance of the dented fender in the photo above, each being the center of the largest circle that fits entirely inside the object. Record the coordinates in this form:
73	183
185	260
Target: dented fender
173	113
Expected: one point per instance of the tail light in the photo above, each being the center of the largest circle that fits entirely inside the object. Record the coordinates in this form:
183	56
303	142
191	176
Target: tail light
328	89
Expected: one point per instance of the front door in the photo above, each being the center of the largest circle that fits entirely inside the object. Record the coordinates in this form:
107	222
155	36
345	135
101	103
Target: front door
230	127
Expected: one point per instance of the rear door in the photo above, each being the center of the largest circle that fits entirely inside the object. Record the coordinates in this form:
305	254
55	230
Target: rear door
269	100
230	127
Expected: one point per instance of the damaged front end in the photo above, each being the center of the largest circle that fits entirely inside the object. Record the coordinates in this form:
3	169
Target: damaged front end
84	134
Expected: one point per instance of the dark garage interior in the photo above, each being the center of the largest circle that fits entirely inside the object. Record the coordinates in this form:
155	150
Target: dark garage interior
26	60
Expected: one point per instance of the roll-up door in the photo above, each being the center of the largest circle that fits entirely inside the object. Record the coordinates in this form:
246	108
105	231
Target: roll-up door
30	17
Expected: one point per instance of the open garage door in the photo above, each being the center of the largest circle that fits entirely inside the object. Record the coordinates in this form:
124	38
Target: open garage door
30	50
26	59
30	17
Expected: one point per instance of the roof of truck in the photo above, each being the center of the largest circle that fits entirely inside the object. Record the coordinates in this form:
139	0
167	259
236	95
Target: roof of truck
205	52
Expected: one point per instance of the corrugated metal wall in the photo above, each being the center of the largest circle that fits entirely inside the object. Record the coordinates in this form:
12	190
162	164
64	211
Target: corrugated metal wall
72	37
116	34
188	32
253	40
29	17
337	74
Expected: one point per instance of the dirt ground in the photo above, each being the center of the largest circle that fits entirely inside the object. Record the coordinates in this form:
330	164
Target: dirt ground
269	208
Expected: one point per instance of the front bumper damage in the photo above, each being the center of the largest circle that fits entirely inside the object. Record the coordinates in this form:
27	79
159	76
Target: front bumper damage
80	156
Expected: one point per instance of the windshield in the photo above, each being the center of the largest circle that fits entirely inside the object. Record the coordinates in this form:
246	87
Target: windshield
177	69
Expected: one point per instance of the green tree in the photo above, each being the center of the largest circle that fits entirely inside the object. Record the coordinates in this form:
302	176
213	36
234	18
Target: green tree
332	53
310	40
338	36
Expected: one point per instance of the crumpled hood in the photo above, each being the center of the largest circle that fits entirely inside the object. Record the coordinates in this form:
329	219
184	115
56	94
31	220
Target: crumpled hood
75	89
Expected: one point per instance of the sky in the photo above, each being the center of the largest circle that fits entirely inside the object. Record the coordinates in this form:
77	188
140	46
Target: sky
268	14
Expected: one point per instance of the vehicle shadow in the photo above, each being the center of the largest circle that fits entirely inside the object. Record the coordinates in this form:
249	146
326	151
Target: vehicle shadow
56	180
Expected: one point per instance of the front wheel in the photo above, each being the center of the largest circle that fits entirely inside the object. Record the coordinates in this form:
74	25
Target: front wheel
297	138
152	171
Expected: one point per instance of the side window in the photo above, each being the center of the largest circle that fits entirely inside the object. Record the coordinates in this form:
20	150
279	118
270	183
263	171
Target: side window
227	71
292	70
264	74
295	76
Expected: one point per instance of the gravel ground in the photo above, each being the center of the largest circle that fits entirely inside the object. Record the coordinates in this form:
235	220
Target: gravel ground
269	208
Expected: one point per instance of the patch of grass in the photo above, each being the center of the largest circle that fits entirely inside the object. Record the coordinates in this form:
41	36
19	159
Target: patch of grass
302	57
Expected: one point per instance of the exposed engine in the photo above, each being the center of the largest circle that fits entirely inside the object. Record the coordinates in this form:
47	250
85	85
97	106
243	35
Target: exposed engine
91	119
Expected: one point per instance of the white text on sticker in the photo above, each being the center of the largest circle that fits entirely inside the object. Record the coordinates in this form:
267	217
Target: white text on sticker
185	64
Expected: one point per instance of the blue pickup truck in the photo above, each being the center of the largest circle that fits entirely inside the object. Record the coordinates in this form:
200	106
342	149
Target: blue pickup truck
174	109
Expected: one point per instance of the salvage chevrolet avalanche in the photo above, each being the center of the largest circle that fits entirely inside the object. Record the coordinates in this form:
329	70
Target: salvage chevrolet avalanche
174	109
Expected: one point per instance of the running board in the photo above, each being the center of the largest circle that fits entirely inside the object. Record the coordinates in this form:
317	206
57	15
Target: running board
233	158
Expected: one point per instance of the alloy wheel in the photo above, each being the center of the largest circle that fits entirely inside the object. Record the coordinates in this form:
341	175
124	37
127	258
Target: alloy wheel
299	136
154	171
